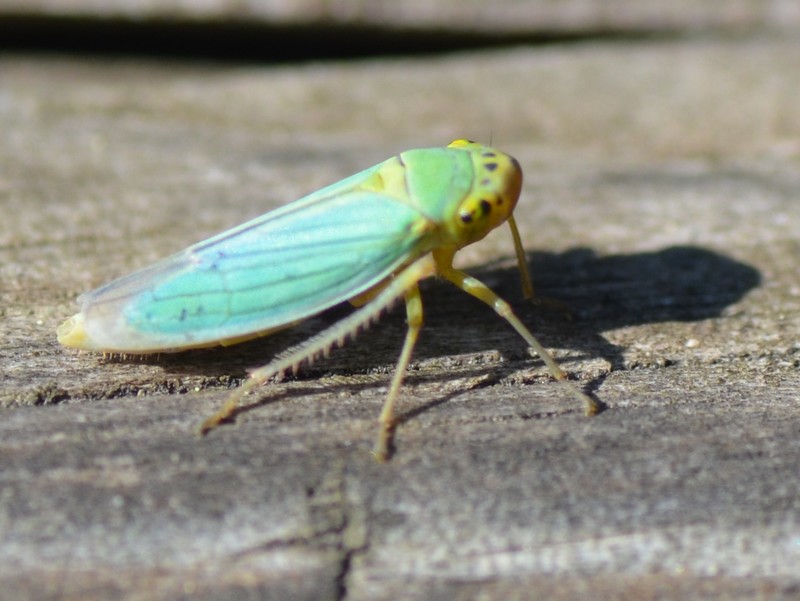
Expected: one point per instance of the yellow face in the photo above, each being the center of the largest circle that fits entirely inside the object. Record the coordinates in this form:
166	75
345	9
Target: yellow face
494	194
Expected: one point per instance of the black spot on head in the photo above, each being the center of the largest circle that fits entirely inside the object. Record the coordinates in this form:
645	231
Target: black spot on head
183	315
485	181
486	207
488	153
466	217
490	166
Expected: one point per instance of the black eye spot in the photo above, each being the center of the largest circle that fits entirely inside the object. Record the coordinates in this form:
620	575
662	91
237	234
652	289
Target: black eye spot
490	166
466	217
488	153
486	207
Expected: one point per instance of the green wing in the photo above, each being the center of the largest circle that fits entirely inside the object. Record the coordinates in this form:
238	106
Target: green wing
277	269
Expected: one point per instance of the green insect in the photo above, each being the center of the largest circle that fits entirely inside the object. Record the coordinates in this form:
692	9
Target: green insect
368	239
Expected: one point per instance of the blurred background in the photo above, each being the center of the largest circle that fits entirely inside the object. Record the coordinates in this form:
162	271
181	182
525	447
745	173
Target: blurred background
286	30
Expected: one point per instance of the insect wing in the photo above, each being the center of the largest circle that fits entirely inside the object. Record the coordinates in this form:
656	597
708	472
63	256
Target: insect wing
272	271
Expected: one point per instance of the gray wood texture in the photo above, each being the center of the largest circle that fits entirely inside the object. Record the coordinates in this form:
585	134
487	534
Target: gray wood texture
660	204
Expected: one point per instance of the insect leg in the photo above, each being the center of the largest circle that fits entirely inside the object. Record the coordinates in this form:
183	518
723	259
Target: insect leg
479	290
522	264
525	275
319	344
381	450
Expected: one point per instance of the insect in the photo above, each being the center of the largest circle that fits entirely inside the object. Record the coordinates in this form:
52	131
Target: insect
368	239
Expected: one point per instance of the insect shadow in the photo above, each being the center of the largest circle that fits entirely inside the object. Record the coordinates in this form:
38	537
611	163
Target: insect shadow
680	283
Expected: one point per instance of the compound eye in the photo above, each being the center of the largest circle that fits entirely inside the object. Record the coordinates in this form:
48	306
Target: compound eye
480	211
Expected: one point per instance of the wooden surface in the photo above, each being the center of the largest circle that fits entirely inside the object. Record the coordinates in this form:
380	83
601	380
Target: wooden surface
444	16
660	203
